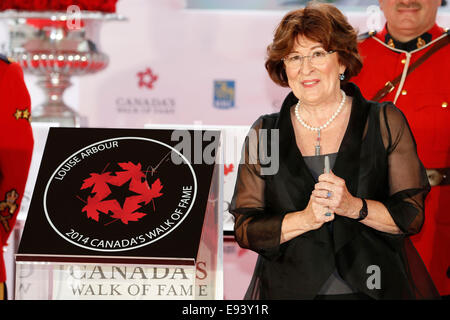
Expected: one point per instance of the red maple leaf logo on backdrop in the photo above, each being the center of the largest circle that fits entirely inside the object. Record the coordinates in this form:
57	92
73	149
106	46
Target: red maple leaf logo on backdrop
227	169
132	186
147	78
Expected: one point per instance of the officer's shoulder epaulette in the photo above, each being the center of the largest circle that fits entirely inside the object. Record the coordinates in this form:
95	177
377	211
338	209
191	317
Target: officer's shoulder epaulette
364	36
4	58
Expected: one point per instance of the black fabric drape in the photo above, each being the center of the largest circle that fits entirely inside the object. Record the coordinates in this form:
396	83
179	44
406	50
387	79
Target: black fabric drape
378	160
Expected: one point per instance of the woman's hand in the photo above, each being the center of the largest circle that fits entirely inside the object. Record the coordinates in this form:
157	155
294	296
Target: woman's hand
317	213
332	192
299	222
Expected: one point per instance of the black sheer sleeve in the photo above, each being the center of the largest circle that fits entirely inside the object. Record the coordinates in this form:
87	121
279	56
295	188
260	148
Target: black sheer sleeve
256	226
408	181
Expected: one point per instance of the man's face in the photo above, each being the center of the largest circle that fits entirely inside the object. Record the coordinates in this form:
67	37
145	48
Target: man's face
408	19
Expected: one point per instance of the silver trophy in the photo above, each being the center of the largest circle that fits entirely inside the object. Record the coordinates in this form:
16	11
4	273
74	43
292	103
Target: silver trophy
55	46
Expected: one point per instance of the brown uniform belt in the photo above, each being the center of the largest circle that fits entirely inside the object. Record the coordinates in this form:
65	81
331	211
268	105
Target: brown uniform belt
438	176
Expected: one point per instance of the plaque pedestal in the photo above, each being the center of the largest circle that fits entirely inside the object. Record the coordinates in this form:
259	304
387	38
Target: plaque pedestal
165	248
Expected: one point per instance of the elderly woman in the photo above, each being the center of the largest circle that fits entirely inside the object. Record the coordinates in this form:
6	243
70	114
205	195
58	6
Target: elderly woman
341	234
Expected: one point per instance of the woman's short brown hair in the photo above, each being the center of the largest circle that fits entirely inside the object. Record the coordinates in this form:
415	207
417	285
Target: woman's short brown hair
320	22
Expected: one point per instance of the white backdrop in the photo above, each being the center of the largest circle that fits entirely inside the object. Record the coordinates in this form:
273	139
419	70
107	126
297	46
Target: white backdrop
207	68
188	50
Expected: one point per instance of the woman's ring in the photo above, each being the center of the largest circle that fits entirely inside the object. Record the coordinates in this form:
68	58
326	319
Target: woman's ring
328	214
329	194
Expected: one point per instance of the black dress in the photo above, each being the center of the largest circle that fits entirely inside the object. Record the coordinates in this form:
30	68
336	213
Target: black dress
378	160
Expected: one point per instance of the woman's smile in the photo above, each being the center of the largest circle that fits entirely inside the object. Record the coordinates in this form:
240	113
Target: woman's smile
310	83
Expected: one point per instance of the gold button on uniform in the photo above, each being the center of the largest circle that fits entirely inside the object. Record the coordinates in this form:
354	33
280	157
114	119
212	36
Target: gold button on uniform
404	92
444	104
403	61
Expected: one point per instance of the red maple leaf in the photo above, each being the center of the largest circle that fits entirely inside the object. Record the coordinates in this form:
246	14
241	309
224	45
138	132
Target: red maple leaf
149	193
147	78
99	181
127	213
95	205
242	251
131	171
228	169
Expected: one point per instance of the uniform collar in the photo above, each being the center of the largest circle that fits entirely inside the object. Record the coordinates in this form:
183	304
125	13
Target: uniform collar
413	44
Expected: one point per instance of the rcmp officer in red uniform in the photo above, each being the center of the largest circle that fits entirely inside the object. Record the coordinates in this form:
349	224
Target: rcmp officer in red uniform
408	62
16	144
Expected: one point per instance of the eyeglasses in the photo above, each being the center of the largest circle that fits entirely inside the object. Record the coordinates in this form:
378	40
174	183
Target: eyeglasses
317	58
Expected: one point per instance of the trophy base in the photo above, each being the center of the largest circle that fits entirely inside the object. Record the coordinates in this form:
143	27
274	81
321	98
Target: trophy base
56	113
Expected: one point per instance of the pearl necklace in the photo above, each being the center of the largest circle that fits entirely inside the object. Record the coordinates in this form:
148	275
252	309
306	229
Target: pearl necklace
326	124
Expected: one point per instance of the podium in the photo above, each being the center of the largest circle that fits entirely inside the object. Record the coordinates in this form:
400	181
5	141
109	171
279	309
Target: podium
123	214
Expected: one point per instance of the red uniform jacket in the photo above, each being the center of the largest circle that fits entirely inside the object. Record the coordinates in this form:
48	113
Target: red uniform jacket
424	97
16	144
